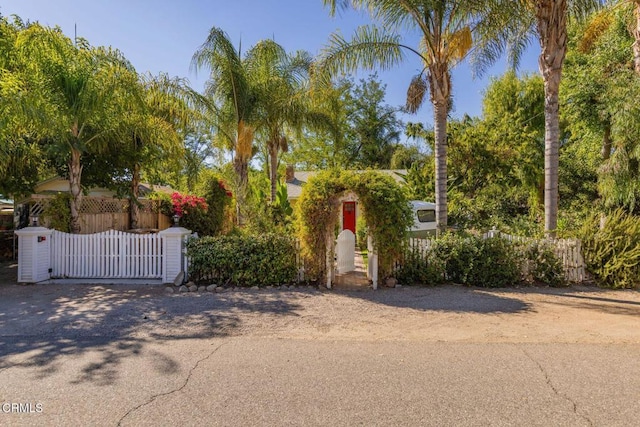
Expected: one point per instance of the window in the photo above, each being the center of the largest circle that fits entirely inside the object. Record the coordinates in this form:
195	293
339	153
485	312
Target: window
426	216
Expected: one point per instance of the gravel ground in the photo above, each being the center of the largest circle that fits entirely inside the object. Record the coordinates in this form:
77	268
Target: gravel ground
446	313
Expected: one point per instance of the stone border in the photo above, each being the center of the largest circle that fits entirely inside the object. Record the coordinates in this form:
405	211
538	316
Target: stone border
213	288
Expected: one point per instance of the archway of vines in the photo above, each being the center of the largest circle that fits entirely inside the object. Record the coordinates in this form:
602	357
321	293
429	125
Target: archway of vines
384	206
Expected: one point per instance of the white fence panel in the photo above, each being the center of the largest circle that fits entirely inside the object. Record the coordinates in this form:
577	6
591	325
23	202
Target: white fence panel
107	255
346	251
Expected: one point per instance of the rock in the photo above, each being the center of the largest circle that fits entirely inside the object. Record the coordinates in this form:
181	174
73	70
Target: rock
169	290
254	288
219	289
183	289
270	287
390	282
190	284
292	286
193	288
201	288
211	288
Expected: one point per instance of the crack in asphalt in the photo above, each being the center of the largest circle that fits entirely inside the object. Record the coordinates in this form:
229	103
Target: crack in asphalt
555	390
186	381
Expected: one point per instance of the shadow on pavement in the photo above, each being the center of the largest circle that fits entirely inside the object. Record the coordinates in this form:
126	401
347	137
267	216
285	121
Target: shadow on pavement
445	298
43	324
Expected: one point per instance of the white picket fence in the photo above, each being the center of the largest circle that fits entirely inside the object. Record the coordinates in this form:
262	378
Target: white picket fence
110	254
569	251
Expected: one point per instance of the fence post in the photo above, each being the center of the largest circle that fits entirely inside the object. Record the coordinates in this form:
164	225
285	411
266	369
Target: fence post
173	253
34	254
372	264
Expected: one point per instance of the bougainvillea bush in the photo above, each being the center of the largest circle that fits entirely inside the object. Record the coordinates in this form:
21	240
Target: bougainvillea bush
202	215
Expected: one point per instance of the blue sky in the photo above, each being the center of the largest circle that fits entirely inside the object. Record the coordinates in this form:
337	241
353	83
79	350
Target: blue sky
161	36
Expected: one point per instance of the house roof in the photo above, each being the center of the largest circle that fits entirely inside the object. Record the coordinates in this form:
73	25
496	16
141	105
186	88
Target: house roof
300	178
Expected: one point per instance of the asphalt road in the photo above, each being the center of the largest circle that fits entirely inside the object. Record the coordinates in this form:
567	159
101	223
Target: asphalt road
134	356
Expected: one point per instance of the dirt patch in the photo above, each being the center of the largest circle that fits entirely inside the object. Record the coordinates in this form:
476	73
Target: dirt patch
447	313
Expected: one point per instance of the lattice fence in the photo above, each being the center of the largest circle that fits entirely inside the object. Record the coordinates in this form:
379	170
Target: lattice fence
99	214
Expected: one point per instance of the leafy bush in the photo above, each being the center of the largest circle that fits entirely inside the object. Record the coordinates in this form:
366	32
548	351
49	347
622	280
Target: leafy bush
463	259
542	264
496	263
243	260
57	213
418	268
612	254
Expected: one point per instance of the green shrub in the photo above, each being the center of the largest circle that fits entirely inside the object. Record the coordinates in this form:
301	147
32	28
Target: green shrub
495	265
612	254
542	264
463	259
418	268
57	213
243	260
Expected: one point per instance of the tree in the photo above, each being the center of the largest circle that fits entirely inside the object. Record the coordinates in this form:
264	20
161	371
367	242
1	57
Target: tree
375	128
82	95
21	158
233	102
279	81
446	28
546	19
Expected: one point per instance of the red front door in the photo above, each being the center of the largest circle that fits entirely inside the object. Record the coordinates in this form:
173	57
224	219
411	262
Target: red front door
349	216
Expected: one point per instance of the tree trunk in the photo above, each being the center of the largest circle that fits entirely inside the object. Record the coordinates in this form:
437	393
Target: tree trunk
551	18
75	188
134	208
440	92
440	130
241	168
636	36
273	169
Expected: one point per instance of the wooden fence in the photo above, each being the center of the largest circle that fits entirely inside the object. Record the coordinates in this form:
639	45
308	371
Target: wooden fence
111	254
98	214
568	251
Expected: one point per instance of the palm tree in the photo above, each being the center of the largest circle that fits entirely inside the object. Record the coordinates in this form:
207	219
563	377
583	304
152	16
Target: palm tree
546	20
446	28
81	97
233	103
163	108
279	81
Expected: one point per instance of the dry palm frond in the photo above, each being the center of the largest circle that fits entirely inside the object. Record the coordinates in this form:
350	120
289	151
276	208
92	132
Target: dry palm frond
459	44
244	146
415	93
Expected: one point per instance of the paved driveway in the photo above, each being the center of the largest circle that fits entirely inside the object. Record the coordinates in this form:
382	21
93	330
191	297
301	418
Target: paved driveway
131	355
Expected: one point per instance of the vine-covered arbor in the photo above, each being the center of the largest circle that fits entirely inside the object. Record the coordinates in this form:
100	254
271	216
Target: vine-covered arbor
384	206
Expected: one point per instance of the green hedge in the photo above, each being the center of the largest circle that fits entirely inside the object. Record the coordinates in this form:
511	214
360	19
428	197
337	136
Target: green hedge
243	260
474	261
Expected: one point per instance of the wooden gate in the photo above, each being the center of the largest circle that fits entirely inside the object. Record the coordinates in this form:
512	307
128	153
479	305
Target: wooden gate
107	255
346	251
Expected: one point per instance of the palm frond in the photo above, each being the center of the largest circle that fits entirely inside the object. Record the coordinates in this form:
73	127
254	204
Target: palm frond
415	93
370	48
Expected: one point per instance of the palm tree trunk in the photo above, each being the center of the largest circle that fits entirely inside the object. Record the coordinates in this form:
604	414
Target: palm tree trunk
273	169
440	93
636	36
551	18
134	208
240	166
440	130
75	188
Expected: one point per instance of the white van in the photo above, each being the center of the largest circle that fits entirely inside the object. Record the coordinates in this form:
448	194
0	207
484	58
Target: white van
424	219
